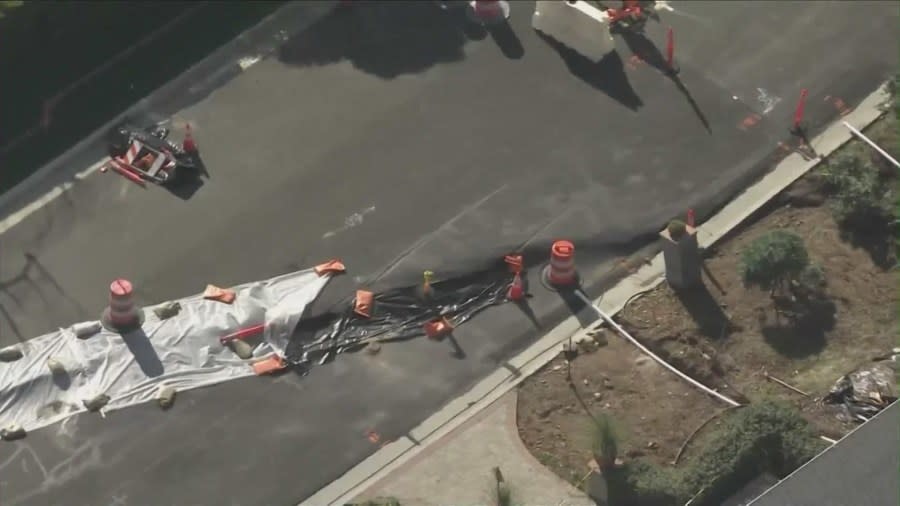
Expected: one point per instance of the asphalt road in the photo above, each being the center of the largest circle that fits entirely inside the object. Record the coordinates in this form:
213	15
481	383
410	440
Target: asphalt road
453	147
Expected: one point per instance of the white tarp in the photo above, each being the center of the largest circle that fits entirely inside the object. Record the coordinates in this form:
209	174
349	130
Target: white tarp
578	25
182	352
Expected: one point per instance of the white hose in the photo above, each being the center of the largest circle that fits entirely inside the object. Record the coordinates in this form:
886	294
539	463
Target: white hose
870	142
662	362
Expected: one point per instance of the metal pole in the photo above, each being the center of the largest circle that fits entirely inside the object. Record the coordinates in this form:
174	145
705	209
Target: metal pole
870	143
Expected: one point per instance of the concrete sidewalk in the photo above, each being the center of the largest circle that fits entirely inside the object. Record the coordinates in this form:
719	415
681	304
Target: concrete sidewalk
458	468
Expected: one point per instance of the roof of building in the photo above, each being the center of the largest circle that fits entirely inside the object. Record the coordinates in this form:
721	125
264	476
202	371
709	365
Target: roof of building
859	470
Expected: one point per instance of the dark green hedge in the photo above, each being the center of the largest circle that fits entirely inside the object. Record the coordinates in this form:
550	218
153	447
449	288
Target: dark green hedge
767	436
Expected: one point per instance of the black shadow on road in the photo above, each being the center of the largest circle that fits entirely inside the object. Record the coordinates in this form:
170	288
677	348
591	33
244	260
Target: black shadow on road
505	38
190	181
524	306
458	351
31	264
186	187
646	50
706	312
607	75
802	333
34	262
139	345
584	313
385	39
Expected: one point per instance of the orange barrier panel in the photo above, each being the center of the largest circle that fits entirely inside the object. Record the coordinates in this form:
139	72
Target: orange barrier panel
269	365
439	328
330	267
514	262
363	304
225	295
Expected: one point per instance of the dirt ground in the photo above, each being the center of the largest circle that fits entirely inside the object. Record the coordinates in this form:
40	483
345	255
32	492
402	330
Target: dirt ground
726	336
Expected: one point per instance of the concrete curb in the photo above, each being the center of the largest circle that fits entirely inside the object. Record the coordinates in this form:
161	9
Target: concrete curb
488	390
212	68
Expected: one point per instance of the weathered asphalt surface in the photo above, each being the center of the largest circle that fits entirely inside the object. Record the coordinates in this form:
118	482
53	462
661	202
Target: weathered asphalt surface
454	148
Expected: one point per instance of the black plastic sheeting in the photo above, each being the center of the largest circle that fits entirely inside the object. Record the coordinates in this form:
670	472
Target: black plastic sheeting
397	314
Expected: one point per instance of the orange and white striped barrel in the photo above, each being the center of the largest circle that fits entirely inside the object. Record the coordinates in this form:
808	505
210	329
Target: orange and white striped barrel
488	12
121	304
561	271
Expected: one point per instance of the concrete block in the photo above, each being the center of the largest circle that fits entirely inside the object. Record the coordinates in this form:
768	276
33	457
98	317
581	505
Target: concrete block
682	258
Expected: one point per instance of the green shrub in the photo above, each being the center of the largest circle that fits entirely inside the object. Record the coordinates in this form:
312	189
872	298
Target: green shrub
862	197
645	484
677	229
604	443
811	281
847	164
860	201
774	260
767	436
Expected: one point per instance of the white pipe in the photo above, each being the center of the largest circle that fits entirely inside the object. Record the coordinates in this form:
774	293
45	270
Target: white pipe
662	362
828	440
870	143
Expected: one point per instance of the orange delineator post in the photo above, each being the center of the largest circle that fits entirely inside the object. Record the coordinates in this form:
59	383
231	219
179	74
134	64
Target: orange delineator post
188	144
514	262
798	113
516	288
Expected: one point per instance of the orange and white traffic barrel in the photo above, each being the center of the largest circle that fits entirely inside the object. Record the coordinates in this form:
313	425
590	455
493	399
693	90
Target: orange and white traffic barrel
488	12
560	272
122	315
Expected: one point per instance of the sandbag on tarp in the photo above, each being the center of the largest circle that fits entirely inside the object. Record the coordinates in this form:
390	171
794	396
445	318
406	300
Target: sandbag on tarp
397	314
181	351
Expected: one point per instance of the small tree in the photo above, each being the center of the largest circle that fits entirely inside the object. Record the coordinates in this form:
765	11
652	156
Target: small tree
676	229
604	445
774	261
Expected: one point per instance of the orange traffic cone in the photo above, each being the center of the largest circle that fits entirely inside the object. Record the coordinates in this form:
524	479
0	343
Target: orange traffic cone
516	288
188	144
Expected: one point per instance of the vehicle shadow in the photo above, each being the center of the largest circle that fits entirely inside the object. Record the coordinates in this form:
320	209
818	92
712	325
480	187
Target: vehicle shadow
608	75
386	39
